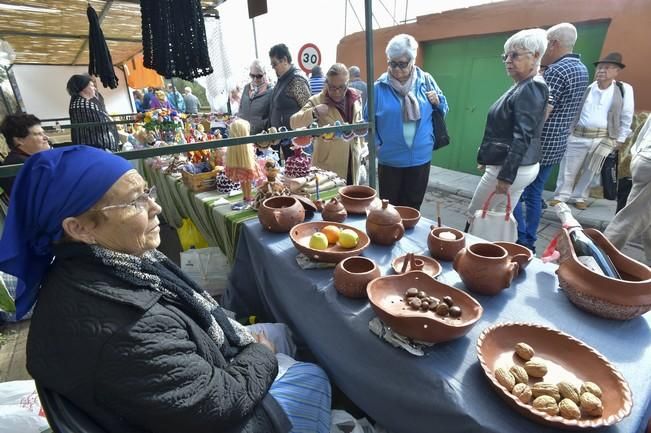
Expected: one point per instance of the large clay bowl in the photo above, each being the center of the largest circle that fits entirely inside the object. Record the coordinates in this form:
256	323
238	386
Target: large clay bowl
357	198
600	295
280	213
485	268
300	235
517	253
353	274
386	295
409	215
567	359
430	266
445	249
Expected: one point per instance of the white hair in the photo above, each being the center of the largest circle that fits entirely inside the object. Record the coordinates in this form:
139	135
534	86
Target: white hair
534	40
402	45
564	33
257	66
188	90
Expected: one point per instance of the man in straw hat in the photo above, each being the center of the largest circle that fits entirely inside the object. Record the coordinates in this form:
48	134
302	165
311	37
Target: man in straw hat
601	127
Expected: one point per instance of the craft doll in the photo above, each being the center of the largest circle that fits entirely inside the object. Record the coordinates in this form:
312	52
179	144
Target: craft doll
241	164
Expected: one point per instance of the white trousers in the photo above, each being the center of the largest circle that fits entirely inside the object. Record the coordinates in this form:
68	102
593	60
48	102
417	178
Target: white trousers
635	217
568	187
488	182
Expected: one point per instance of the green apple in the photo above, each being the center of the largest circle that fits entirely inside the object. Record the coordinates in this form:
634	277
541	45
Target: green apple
319	241
348	238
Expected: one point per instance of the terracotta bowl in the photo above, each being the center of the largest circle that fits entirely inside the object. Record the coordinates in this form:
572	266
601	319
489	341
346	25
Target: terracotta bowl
409	215
386	295
442	248
352	274
567	359
600	295
357	198
517	253
300	235
430	266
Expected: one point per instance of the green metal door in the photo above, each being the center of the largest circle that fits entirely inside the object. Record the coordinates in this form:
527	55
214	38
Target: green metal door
472	76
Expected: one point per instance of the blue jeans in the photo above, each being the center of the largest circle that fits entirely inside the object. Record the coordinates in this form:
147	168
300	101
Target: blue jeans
529	218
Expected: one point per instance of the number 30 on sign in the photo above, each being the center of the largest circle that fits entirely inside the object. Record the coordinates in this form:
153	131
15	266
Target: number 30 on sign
308	57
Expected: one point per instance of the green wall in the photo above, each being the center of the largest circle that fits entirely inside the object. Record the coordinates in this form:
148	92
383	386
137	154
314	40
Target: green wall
472	76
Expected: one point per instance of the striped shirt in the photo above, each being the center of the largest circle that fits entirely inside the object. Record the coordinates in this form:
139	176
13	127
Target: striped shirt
316	84
567	79
104	135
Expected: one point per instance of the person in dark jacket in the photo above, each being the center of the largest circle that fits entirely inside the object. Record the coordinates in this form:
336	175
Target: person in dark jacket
84	108
510	149
25	137
119	330
256	99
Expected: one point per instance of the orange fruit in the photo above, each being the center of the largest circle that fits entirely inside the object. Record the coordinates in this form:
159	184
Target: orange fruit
332	233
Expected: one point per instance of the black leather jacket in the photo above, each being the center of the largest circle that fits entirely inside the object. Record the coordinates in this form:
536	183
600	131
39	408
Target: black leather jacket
513	127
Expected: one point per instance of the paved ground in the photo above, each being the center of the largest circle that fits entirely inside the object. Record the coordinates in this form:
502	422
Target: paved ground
455	189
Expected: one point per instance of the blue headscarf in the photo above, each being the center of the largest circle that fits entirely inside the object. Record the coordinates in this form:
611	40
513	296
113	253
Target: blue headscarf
51	186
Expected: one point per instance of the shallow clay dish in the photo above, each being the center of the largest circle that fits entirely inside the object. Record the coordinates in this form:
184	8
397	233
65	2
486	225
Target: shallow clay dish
300	235
409	215
387	294
517	253
430	266
567	359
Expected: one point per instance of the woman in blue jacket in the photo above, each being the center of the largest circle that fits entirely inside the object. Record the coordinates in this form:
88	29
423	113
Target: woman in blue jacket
405	97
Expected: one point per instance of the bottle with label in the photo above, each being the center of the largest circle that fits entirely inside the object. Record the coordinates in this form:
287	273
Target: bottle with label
588	253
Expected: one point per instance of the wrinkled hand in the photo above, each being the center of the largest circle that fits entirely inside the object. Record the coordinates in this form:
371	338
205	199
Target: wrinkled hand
321	110
502	187
262	339
433	97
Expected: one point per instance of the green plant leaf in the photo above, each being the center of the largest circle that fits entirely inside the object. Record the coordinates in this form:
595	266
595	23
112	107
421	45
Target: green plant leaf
6	301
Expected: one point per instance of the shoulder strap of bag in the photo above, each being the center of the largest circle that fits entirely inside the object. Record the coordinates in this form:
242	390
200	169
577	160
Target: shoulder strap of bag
507	216
621	87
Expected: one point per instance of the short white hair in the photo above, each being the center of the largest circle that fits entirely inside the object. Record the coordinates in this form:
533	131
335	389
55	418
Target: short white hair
188	90
534	40
257	66
564	33
402	45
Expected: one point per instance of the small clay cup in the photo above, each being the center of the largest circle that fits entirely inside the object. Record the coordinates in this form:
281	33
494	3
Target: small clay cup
409	215
353	274
445	249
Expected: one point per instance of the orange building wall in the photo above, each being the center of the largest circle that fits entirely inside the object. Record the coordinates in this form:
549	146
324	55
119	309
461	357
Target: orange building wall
629	32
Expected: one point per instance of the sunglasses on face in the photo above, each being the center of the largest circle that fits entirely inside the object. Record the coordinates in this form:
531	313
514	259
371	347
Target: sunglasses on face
256	76
401	65
514	55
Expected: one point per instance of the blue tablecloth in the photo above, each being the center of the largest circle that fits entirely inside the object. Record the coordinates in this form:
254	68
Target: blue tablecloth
446	390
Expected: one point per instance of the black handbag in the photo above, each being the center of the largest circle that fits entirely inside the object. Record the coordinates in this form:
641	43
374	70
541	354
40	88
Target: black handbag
441	137
609	176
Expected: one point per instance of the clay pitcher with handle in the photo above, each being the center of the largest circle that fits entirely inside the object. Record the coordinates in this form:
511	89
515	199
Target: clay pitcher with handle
333	210
485	268
280	214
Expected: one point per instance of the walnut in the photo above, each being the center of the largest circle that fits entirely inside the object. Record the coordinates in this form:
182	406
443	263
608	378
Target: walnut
569	391
568	409
522	392
536	367
519	373
546	404
592	388
505	378
544	388
591	405
524	351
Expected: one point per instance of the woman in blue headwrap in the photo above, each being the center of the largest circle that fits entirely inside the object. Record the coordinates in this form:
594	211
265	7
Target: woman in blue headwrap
118	329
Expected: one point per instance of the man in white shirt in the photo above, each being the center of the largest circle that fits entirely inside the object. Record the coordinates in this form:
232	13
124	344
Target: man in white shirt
601	127
635	217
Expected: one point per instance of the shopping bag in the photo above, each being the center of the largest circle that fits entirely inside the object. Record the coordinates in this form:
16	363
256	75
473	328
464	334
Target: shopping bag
190	236
20	408
495	226
609	176
208	267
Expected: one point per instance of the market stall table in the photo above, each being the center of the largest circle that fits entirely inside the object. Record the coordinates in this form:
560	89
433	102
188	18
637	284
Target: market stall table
445	390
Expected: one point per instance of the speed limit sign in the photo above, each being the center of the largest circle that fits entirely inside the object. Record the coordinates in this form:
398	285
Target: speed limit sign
309	56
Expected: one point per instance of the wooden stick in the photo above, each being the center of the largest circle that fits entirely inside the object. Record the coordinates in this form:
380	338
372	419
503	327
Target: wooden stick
438	213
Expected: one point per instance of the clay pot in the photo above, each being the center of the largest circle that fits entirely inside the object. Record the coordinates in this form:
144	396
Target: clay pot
485	268
409	215
333	210
517	253
600	295
280	214
357	198
353	274
384	225
442	248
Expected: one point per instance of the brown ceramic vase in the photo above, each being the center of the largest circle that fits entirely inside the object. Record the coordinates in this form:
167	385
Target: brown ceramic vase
384	225
280	214
485	268
357	198
600	295
353	274
445	249
333	210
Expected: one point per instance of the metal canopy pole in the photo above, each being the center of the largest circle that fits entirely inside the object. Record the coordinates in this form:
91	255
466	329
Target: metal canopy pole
372	162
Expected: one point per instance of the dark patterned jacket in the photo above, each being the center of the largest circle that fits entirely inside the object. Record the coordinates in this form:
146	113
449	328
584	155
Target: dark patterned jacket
290	94
104	136
135	362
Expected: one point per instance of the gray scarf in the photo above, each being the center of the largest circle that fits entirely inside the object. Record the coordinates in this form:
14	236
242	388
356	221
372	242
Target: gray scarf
410	107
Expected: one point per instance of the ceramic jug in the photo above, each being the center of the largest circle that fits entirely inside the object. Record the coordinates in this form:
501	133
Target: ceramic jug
485	268
333	210
280	214
384	224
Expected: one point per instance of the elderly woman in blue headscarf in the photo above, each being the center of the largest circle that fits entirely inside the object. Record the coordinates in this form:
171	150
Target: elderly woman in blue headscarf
119	330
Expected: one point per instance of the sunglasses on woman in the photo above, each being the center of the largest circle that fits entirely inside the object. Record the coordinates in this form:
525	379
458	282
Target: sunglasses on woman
514	55
257	76
401	65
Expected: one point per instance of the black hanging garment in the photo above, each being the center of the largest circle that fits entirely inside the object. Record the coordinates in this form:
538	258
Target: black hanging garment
174	38
100	63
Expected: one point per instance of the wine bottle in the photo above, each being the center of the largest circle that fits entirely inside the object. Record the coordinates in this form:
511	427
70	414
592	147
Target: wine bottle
588	253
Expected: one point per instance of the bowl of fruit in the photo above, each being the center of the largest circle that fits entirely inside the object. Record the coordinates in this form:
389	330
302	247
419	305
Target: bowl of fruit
327	241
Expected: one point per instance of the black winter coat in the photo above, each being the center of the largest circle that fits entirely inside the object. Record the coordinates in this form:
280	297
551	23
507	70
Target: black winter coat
135	362
513	127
